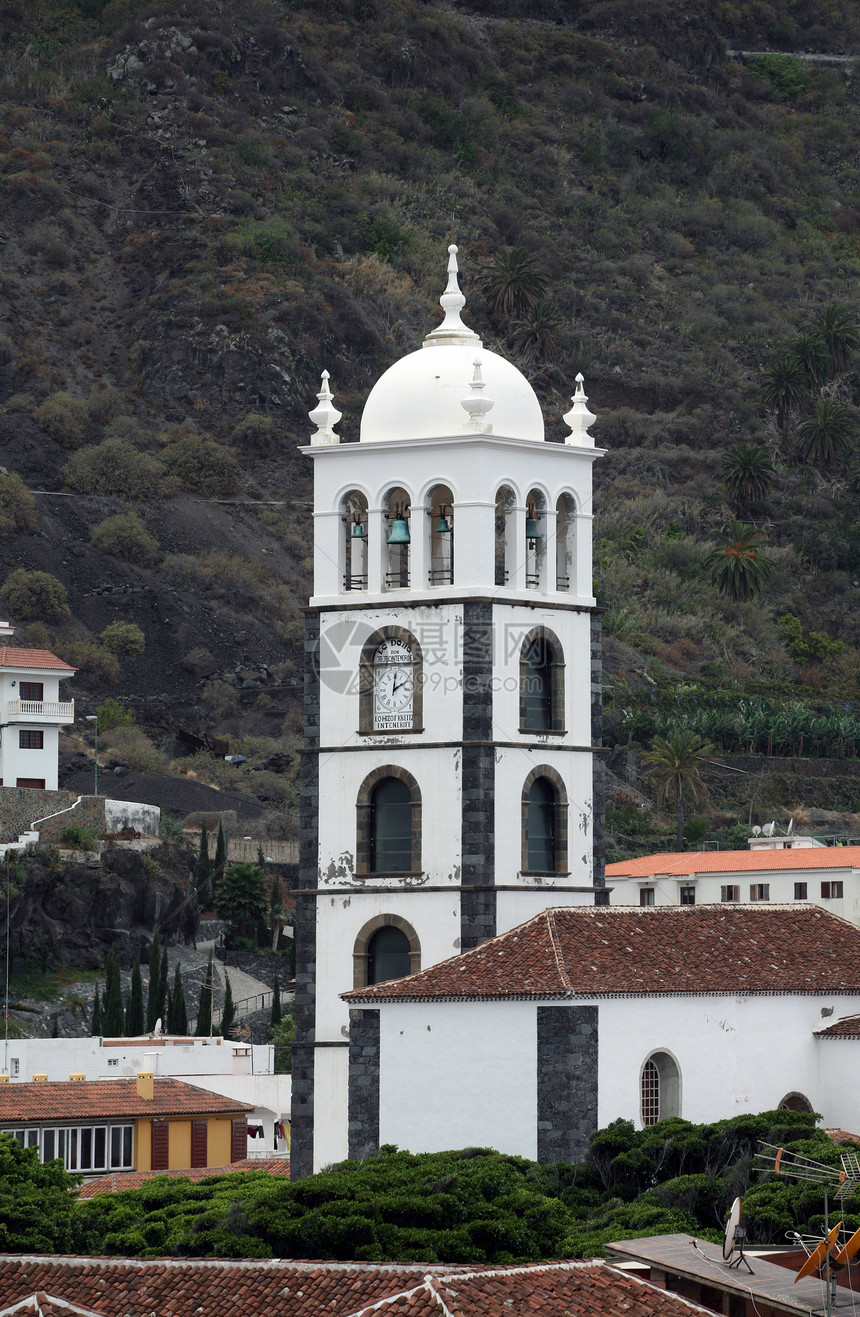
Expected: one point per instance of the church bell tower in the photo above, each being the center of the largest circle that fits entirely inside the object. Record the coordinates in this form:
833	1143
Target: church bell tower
449	786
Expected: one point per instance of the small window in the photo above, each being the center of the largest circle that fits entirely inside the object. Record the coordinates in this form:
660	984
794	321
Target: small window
660	1088
800	891
113	1061
832	891
688	896
14	1067
31	740
32	783
730	892
388	955
31	690
759	891
646	895
391	827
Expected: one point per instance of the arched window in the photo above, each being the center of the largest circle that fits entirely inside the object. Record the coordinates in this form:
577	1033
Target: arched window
397	539
388	955
660	1086
795	1102
505	552
391	686
440	525
544	822
536	540
565	544
388	821
387	947
541	683
354	557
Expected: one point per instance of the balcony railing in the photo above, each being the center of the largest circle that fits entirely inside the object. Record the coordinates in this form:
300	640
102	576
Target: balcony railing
41	709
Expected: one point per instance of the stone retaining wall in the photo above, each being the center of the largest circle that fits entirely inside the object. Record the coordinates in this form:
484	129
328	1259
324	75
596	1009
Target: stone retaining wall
20	807
258	966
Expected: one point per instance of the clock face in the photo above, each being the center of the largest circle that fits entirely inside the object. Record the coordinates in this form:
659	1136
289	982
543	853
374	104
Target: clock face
393	687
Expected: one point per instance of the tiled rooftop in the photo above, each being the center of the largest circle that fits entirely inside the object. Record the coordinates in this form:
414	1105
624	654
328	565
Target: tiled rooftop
107	1099
686	864
118	1181
598	951
32	658
105	1287
847	1027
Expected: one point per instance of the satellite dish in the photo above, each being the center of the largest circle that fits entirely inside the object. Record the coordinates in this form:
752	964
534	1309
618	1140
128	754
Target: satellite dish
157	1030
819	1253
790	829
768	829
733	1238
756	830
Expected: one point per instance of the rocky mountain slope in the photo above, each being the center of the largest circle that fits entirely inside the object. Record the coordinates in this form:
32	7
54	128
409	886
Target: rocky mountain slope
201	206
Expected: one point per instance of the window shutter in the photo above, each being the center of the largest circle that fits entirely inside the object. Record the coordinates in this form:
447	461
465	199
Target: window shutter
239	1140
160	1145
199	1142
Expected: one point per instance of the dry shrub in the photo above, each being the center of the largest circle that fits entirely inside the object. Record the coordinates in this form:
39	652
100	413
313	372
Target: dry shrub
131	745
63	418
17	505
125	536
115	468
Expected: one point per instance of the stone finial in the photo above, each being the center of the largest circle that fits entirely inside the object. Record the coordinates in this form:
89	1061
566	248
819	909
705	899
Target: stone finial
475	404
326	416
579	418
452	332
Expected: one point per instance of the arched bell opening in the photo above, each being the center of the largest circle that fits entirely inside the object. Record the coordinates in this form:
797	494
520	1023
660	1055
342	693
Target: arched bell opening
398	538
565	544
504	557
354	528
536	540
440	527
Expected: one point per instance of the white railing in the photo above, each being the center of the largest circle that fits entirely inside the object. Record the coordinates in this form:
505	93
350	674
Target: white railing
41	709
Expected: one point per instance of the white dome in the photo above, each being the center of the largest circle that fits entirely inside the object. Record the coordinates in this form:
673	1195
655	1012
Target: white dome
422	395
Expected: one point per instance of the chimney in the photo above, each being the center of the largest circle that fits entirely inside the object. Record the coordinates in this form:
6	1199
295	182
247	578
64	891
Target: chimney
40	1079
146	1085
76	1078
4	1079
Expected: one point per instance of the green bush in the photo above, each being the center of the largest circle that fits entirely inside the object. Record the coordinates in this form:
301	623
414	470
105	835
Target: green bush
124	639
786	76
131	745
125	536
90	658
254	431
110	713
104	404
35	595
63	418
17	505
82	838
114	467
200	465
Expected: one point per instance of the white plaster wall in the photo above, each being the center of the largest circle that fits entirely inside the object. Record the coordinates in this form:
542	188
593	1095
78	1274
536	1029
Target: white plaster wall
437	773
667	889
575	770
331	1071
454	1076
30	763
514	908
50	682
121	814
839	1077
435	916
192	1059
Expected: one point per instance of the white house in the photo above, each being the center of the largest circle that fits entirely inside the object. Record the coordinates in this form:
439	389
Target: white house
535	1039
32	714
449	788
827	876
243	1071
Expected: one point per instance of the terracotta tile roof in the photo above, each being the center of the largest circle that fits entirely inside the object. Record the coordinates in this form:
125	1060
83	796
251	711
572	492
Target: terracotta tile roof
688	863
104	1099
118	1181
847	1027
842	1136
32	658
598	951
107	1287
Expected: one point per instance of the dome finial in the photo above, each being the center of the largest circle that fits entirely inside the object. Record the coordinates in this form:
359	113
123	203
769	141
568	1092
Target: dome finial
476	405
452	332
326	416
579	417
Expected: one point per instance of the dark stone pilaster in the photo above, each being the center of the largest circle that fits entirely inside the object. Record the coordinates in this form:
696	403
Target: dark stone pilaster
567	1081
478	840
363	1083
302	1113
598	769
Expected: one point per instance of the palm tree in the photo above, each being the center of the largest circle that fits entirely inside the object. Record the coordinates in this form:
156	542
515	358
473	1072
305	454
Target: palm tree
738	568
676	764
784	389
748	473
837	328
537	332
813	357
826	436
513	282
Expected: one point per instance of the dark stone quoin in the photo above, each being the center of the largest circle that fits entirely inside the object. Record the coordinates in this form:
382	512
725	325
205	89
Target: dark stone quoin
478	897
567	1081
363	1084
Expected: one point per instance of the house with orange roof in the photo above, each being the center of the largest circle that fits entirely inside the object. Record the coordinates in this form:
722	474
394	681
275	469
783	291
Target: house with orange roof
533	1040
31	714
125	1125
827	876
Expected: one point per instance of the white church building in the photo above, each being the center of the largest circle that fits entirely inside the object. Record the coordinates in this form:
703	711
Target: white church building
449	787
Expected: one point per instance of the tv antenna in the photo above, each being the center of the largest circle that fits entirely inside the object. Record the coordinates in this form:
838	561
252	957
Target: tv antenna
846	1182
734	1238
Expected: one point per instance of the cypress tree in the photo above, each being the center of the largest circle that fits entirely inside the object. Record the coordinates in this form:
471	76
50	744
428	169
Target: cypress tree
204	1009
220	860
163	982
113	1016
168	1019
204	877
228	1014
276	1003
180	1011
153	996
96	1026
134	1012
